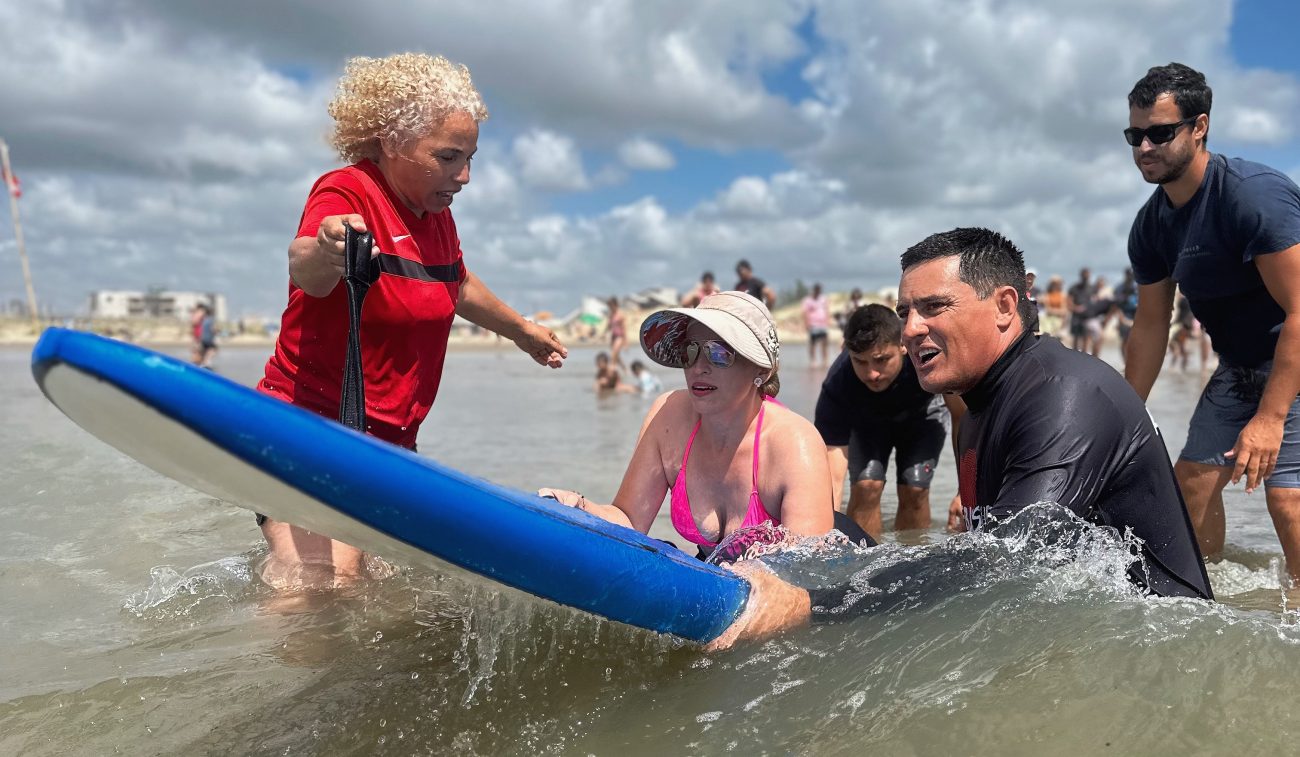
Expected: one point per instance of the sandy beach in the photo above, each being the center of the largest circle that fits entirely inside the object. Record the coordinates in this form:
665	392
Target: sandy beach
170	332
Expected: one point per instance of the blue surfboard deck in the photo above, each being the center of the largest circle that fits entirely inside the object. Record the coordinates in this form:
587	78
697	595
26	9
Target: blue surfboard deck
255	451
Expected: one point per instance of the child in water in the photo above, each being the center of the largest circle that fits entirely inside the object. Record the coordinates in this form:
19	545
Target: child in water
607	375
646	382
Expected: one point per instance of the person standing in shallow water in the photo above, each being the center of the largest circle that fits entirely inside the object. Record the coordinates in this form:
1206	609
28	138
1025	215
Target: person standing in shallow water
204	327
1226	232
871	405
1043	423
408	125
752	285
817	322
616	328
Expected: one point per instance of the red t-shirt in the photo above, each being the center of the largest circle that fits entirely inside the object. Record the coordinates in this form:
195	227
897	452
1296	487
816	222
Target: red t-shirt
405	320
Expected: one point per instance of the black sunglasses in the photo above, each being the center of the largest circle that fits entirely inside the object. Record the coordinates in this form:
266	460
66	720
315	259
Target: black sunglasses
1158	134
718	353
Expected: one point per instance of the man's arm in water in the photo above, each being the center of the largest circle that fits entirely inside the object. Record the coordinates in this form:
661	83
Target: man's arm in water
773	607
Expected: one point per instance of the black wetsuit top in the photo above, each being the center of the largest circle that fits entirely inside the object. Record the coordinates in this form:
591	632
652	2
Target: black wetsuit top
1049	424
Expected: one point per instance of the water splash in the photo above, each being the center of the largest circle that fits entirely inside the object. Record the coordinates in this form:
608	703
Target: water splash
173	593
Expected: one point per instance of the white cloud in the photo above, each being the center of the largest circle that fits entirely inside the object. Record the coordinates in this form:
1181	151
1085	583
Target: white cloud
644	155
174	143
550	161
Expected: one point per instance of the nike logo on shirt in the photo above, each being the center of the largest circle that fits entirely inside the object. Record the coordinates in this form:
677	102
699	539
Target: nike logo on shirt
398	239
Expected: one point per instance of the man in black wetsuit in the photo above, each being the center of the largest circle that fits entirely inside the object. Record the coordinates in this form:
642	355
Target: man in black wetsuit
871	405
1043	424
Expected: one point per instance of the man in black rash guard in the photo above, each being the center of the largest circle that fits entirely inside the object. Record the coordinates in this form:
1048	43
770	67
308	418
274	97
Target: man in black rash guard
1043	424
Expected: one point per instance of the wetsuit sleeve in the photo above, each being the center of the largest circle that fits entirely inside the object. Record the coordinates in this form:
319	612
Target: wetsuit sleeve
1058	448
1266	215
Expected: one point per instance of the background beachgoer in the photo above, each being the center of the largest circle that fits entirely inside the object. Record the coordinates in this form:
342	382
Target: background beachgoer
816	320
706	287
856	300
204	327
616	329
608	377
1124	308
750	284
646	382
1079	299
1055	308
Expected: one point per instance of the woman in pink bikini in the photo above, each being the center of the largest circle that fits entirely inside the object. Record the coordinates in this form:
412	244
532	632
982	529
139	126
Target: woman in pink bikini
730	455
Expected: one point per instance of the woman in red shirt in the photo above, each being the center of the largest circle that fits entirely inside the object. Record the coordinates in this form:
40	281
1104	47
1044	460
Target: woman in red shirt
408	126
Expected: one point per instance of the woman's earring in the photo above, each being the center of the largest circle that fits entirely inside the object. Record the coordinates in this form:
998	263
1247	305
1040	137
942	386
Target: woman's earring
758	381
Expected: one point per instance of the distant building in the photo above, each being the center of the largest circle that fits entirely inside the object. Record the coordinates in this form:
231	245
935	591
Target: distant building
107	303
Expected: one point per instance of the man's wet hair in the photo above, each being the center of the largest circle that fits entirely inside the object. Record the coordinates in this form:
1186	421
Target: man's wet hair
1187	86
870	326
637	366
988	261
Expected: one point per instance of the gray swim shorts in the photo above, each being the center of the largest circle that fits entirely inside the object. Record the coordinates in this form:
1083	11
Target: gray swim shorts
916	439
1228	403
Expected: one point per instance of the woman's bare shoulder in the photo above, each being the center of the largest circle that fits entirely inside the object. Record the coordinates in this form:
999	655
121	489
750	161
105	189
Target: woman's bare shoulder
669	410
792	428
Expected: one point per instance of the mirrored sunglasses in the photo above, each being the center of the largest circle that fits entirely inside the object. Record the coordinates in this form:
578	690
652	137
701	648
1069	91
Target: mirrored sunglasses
717	353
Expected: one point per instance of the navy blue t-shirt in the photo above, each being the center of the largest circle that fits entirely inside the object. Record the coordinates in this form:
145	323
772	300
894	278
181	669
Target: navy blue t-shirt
847	405
1208	246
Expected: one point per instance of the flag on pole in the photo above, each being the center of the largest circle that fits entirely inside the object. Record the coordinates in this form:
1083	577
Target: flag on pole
11	181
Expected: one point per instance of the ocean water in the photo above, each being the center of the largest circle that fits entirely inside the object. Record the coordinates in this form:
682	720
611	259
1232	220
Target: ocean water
131	620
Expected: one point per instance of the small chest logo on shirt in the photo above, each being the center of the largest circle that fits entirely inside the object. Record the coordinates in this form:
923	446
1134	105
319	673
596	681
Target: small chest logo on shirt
398	239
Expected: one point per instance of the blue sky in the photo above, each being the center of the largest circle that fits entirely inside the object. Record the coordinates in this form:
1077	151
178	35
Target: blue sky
1263	35
630	145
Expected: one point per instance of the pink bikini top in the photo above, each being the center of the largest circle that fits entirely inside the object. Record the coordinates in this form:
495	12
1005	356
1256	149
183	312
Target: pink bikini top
684	520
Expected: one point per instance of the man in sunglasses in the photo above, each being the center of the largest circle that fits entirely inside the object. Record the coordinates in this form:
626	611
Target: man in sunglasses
1226	232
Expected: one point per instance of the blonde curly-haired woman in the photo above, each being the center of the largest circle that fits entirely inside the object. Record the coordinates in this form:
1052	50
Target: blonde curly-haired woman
407	125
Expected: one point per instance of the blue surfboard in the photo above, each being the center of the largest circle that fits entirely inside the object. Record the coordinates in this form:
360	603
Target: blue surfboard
251	450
